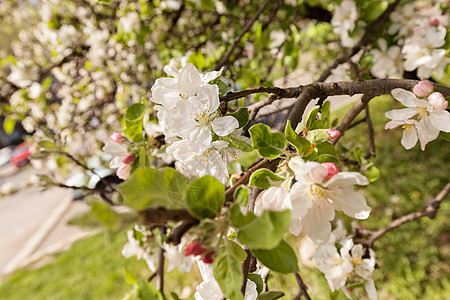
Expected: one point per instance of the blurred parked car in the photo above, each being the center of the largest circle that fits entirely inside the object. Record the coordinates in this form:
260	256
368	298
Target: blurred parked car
20	154
5	155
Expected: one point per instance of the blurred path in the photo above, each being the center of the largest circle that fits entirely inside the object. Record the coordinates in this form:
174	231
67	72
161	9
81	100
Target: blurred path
33	222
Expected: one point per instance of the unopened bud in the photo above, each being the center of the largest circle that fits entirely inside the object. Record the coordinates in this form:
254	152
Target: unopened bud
128	159
123	172
435	22
208	257
438	101
332	169
117	137
194	248
334	134
423	88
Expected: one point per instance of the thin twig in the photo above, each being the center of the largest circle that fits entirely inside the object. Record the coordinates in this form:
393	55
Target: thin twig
430	211
303	289
246	269
160	270
354	124
238	39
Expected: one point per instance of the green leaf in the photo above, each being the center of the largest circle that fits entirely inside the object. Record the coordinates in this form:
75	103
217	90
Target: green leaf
142	158
133	121
205	197
311	117
281	258
109	218
325	113
237	250
302	145
372	173
324	152
269	145
147	291
9	124
241	115
151	187
358	156
264	178
241	195
236	142
47	145
223	87
320	124
130	278
250	228
445	135
271	295
257	279
228	274
197	59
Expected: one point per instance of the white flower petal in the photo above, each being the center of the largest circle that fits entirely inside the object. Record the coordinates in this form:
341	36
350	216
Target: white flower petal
440	119
344	179
409	138
189	81
209	76
316	223
300	200
352	204
371	291
401	114
115	149
405	97
426	132
223	126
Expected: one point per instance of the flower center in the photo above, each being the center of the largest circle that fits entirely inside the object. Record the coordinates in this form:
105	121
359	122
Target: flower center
318	192
184	97
421	112
356	260
407	128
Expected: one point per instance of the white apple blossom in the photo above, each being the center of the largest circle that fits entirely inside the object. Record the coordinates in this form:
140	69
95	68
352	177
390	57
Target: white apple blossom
420	120
273	199
131	22
314	200
176	258
343	21
387	61
133	248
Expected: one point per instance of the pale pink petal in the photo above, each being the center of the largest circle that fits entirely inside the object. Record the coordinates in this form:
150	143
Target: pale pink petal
316	223
116	162
115	149
209	76
318	173
440	119
393	124
301	201
295	227
371	291
223	126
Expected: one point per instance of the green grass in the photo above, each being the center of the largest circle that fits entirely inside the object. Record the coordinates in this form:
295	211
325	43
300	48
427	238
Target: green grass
412	260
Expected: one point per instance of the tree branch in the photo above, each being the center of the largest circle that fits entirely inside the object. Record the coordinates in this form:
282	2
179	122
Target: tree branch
430	211
303	288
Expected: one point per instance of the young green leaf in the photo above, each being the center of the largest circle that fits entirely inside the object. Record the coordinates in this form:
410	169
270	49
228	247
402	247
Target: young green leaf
324	152
311	117
302	145
281	258
269	145
151	187
257	279
241	195
236	142
264	178
227	271
205	197
241	115
270	295
223	87
271	225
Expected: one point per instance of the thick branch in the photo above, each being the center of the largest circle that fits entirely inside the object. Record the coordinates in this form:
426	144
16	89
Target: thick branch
247	27
430	211
162	215
366	39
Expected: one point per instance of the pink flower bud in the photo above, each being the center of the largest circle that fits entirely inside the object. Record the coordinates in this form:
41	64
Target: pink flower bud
123	172
128	159
208	257
194	248
117	137
333	133
331	168
438	101
423	88
435	22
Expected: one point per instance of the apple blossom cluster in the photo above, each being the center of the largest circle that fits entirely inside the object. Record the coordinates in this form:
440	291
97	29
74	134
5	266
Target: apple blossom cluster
187	110
122	158
424	117
417	36
342	261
